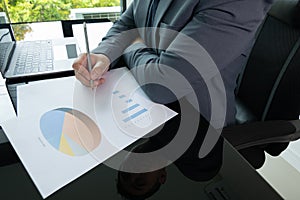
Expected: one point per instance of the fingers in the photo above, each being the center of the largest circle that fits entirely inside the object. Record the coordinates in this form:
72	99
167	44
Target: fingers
84	73
80	68
82	79
98	72
100	66
81	60
87	82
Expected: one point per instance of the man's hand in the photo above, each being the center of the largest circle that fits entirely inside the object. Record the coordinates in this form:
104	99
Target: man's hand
100	64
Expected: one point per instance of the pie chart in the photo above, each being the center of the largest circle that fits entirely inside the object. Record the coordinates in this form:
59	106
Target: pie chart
70	131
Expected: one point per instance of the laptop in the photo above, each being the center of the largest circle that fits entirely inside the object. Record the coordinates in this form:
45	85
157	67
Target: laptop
23	61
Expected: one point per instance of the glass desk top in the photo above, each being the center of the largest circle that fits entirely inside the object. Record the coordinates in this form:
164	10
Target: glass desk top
235	180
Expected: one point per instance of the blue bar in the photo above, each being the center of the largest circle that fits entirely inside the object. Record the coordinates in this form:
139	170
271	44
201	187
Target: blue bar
122	96
134	115
128	101
130	108
115	92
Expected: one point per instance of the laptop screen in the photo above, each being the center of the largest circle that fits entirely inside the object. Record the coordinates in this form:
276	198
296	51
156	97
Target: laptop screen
6	45
5	35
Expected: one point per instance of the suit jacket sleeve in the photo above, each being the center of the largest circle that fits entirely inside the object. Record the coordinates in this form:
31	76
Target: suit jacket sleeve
224	30
114	43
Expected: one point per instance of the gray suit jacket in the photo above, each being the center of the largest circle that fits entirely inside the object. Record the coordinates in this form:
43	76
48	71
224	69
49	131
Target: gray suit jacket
204	40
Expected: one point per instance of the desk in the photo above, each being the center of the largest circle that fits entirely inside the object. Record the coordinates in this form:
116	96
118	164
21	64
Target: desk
6	107
236	180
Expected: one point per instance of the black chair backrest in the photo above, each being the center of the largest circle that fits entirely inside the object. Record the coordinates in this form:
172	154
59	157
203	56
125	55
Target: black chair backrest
270	83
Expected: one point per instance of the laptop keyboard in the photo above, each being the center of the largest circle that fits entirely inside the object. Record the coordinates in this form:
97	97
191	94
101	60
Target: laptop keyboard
34	56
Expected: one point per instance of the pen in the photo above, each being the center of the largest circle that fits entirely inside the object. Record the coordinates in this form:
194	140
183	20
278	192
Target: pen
88	51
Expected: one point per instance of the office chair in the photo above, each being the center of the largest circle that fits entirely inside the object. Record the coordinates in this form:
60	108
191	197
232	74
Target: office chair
268	92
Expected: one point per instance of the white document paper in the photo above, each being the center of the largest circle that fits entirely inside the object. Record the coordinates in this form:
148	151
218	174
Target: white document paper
65	129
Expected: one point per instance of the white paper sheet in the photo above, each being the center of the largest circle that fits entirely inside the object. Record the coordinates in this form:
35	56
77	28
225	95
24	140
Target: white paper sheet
65	129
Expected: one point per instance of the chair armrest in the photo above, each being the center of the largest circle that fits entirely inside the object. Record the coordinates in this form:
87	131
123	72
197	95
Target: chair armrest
259	133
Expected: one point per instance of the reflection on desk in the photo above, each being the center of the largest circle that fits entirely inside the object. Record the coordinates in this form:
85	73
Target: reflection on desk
235	180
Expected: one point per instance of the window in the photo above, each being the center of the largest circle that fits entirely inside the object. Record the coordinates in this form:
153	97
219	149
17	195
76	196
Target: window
25	15
111	13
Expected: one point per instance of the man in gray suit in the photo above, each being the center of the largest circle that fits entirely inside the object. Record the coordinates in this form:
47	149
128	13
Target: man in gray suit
191	50
224	28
